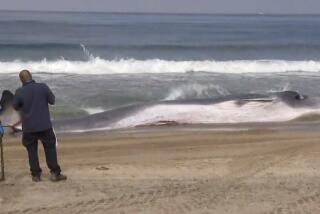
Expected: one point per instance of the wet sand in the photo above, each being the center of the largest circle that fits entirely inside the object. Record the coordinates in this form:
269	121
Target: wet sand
171	170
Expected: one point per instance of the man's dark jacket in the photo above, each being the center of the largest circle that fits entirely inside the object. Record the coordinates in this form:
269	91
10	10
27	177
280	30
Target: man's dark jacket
32	101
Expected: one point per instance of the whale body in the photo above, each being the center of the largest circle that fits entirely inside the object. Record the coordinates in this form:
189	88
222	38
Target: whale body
243	108
272	107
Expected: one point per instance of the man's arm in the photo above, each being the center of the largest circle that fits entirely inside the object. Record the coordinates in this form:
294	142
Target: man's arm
51	97
17	101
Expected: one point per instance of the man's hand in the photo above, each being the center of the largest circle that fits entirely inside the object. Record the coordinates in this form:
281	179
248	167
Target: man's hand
50	96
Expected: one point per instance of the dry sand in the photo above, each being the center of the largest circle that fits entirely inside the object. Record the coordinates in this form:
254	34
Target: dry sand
169	170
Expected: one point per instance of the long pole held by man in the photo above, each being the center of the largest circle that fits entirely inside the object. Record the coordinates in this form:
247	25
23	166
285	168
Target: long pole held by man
2	177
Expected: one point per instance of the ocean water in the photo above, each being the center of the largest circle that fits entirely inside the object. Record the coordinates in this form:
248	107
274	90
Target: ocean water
100	61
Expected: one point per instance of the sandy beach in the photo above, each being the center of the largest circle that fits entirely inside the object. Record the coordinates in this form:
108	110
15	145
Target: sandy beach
171	170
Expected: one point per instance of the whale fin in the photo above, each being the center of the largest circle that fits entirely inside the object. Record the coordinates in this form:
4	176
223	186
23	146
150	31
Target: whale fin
242	102
262	100
8	116
6	100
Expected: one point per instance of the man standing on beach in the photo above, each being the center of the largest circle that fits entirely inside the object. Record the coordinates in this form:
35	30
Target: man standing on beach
32	100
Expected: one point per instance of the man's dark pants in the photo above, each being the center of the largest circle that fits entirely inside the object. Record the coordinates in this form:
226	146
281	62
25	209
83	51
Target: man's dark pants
48	139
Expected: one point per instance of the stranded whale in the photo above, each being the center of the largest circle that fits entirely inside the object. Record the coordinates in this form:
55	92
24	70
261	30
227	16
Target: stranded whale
270	107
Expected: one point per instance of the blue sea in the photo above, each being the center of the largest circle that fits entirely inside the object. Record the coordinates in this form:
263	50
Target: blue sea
55	36
100	61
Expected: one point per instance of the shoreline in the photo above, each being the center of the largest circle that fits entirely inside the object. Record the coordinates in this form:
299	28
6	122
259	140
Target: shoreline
294	125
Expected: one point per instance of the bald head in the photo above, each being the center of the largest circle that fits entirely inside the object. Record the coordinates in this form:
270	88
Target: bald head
25	76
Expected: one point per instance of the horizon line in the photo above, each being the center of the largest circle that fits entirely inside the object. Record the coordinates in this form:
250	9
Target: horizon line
166	13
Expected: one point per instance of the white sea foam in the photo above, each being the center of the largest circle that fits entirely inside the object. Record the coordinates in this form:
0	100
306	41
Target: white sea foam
97	65
195	90
94	110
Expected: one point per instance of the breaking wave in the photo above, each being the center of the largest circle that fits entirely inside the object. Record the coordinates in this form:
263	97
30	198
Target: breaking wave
96	65
194	91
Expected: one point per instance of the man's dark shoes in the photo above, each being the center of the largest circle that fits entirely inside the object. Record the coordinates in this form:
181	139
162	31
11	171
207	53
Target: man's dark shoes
36	178
57	178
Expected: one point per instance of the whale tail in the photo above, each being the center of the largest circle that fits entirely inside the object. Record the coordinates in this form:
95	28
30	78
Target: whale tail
9	118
